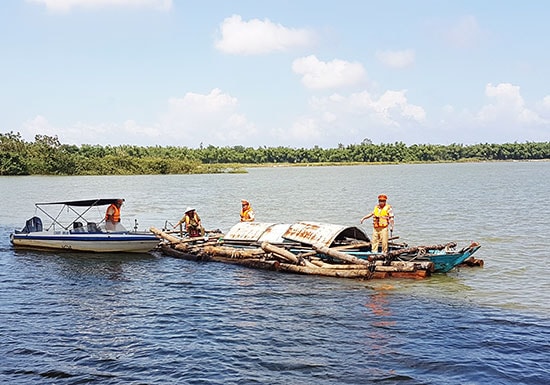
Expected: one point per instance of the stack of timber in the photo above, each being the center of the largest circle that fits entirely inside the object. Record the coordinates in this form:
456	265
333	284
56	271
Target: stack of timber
292	257
305	238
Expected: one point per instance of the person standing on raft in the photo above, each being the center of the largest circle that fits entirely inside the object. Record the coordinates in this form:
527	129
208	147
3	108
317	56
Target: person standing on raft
382	218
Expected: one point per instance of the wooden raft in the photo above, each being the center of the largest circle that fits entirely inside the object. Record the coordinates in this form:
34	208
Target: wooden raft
272	257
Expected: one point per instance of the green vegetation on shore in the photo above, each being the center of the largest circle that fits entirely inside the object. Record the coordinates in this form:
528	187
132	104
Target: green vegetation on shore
47	156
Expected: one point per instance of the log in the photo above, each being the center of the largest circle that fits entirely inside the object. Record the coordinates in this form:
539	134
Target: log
287	255
380	266
342	256
343	247
358	245
233	252
358	271
336	248
163	235
170	238
349	266
418	274
473	262
380	272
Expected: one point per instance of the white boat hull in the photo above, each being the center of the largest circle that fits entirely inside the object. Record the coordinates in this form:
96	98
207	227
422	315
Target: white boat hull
99	243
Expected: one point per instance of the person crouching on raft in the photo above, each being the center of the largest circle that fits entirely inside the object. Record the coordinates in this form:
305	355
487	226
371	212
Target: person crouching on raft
192	223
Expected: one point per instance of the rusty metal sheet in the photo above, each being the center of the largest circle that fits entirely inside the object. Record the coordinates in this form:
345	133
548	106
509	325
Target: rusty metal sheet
247	231
274	234
322	233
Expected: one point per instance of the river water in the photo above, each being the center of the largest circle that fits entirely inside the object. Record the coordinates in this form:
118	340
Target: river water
147	319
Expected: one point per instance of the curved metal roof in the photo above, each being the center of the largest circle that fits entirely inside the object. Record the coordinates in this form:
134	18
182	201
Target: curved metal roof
308	233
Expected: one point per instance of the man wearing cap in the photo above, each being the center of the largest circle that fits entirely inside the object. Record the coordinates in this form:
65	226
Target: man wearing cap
382	217
247	214
192	223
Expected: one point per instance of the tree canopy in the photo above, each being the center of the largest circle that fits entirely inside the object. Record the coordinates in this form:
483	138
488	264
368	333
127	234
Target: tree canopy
47	156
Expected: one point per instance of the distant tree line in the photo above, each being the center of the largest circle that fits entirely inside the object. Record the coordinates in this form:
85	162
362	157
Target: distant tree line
47	156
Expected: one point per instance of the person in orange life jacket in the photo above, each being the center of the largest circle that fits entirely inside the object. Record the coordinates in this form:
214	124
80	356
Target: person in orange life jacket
382	217
192	223
112	215
247	214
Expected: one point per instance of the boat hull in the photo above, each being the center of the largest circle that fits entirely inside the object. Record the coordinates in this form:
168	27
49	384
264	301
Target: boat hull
99	243
443	261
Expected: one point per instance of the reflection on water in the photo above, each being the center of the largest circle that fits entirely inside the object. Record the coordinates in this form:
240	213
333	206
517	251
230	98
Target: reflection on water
83	265
379	307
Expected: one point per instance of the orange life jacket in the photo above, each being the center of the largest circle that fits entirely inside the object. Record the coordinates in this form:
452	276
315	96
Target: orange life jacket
381	216
116	213
247	214
192	221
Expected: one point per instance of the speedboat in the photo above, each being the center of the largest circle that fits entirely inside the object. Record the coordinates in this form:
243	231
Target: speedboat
69	228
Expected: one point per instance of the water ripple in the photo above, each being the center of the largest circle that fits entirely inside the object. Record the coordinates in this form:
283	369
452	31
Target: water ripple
144	319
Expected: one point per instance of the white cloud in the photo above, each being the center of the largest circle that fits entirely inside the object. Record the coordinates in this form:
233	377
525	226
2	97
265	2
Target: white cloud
68	5
197	117
211	118
39	125
216	118
259	37
396	59
507	107
129	132
348	119
393	107
304	129
506	117
317	74
543	107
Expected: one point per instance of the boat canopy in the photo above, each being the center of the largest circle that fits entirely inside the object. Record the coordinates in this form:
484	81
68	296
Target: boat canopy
84	203
69	213
308	233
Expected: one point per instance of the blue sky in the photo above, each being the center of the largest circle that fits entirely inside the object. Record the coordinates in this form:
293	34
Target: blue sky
294	73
